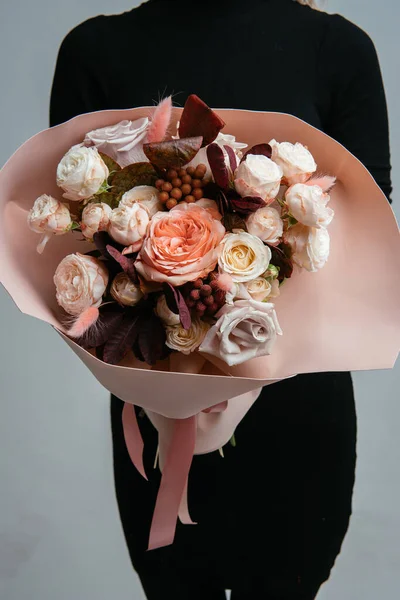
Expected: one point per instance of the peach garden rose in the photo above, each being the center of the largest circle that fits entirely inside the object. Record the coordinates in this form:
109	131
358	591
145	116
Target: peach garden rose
181	245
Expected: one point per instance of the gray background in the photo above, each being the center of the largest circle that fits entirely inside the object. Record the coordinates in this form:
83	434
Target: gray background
60	534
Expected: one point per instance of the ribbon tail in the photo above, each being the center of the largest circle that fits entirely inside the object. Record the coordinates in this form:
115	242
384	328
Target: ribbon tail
173	482
133	437
184	515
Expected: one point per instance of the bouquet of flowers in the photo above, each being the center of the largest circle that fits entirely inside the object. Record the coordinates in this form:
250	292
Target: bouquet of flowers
181	244
193	236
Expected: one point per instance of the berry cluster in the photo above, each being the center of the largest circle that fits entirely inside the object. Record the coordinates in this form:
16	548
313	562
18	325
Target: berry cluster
204	296
184	184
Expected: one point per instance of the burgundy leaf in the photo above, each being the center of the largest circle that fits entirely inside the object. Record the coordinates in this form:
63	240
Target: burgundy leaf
199	119
263	149
102	240
281	258
127	263
151	339
107	323
94	253
222	202
211	190
174	153
247	205
232	158
233	221
122	339
176	303
216	158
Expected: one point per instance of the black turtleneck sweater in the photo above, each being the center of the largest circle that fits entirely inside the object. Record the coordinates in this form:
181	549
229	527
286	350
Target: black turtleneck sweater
273	513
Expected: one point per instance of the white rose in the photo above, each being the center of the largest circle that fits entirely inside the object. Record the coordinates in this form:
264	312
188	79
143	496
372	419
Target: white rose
244	330
95	217
80	283
259	289
146	196
50	217
275	290
222	140
265	223
295	160
186	340
81	172
124	291
308	204
122	142
258	176
243	256
128	225
310	246
164	313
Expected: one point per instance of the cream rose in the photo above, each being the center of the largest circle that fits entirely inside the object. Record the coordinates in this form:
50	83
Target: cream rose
265	223
308	204
124	291
95	217
80	283
164	313
222	140
128	225
296	161
146	196
258	176
259	289
244	330
81	172
310	246
122	142
186	340
243	256
50	217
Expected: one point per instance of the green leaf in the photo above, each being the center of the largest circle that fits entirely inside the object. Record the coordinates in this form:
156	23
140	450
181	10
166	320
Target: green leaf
232	441
113	167
74	225
131	176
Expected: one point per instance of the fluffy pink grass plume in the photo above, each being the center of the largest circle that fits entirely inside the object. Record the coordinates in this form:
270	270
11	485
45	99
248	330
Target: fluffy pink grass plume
84	322
326	182
160	121
225	282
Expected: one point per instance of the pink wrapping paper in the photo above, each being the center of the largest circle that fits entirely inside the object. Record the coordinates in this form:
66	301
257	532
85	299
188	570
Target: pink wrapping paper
344	317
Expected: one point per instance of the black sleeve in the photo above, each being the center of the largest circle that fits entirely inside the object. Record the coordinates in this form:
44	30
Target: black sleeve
77	85
351	81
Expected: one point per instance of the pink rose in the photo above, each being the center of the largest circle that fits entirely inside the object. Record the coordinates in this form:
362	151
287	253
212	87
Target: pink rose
49	217
128	225
122	142
181	245
244	330
80	282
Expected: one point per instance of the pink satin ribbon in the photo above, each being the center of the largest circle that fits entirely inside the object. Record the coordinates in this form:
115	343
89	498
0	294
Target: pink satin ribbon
133	437
172	497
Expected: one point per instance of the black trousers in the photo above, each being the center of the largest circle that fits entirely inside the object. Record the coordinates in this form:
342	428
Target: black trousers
271	515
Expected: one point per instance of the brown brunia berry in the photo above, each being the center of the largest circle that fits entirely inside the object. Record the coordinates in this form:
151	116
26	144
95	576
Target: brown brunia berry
176	182
171	203
198	283
186	189
190	171
182	173
166	187
195	294
200	171
209	300
219	297
197	193
176	193
200	307
197	183
211	310
163	197
190	199
159	183
186	178
171	174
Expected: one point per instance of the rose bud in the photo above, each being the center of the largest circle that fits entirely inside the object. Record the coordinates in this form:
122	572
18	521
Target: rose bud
145	195
164	313
310	246
308	205
80	283
50	217
128	225
295	160
95	217
124	291
258	176
266	223
81	173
